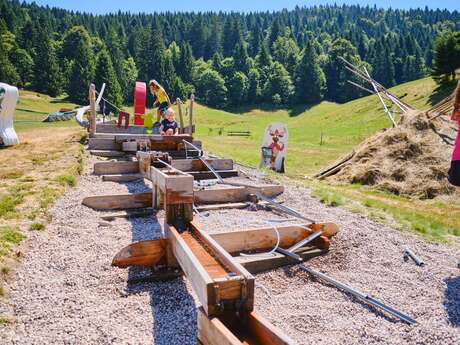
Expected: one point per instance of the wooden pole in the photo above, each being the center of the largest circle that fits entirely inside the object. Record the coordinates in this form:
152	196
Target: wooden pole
92	108
181	118
190	120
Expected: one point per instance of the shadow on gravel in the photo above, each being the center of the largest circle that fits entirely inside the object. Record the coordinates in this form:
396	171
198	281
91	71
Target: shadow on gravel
452	300
173	308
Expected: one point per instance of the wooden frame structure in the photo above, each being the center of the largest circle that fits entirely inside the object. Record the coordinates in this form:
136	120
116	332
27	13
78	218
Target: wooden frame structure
220	274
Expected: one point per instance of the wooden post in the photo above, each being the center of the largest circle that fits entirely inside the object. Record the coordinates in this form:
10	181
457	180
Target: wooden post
190	123
92	108
181	118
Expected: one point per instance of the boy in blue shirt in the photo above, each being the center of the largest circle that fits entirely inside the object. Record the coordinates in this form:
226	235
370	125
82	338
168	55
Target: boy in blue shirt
169	124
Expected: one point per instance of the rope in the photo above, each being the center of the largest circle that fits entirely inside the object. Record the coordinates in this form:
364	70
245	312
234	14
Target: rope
113	105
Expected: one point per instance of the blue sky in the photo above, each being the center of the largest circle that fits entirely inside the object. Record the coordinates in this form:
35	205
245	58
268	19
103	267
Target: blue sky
105	6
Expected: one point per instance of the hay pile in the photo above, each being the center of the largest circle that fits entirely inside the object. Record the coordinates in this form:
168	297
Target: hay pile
411	159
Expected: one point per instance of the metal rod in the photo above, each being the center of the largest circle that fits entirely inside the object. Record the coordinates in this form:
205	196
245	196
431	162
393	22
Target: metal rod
193	146
363	296
211	169
410	254
289	254
381	100
283	208
306	240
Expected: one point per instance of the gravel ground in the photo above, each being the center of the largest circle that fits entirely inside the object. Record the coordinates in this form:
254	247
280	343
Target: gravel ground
66	292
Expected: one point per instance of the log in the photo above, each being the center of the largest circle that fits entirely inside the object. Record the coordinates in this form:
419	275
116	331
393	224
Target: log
119	202
144	253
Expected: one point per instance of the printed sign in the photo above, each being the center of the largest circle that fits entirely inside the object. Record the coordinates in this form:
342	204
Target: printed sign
274	146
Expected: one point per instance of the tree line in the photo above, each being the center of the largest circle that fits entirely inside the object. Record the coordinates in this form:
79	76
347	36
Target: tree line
226	59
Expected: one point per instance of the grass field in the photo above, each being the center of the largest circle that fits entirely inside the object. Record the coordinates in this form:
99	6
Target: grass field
341	127
34	173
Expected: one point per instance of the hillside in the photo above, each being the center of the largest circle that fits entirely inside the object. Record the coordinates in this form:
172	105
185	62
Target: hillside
342	127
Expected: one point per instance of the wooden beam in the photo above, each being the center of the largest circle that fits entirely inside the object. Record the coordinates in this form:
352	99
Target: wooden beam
235	194
239	329
209	175
103	144
257	264
144	253
266	238
119	138
237	205
119	202
201	281
135	213
112	168
212	331
246	291
198	165
122	177
107	153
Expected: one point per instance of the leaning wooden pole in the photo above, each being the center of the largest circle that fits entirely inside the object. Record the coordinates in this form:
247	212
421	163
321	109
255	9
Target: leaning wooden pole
181	117
190	118
92	108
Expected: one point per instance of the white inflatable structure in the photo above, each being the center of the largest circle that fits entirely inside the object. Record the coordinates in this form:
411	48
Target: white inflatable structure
9	96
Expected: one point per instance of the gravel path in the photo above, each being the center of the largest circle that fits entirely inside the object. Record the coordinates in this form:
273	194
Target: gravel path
66	292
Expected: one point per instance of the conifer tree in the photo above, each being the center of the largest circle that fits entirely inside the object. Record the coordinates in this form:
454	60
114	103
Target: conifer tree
310	81
105	73
47	75
77	47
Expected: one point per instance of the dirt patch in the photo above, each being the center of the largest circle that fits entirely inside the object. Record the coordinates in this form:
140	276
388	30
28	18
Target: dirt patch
411	159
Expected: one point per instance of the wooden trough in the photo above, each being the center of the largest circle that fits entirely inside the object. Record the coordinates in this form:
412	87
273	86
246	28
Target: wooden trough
215	265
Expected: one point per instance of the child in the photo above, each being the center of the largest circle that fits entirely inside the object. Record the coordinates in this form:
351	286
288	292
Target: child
161	98
169	124
454	172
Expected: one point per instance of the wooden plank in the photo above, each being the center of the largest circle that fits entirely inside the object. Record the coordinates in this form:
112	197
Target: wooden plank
119	202
112	168
266	333
107	153
237	205
265	238
246	291
142	212
211	331
144	253
152	137
257	264
198	165
122	177
234	194
202	283
208	175
112	128
103	144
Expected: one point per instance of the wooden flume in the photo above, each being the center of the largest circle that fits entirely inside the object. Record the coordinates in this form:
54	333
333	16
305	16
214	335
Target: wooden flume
220	275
